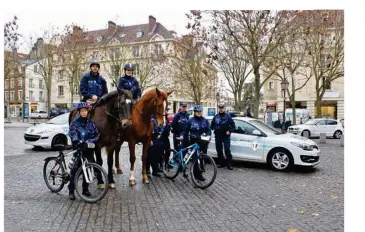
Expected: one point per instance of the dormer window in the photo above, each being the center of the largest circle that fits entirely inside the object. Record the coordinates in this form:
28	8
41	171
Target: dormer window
99	38
122	35
139	34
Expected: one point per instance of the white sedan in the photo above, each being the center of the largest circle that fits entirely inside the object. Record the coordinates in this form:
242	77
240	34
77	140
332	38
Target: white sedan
255	141
39	114
46	135
331	127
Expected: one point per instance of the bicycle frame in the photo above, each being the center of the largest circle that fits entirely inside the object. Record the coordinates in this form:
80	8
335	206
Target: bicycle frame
195	147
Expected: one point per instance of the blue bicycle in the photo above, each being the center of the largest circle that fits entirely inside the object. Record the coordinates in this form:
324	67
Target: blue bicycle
203	169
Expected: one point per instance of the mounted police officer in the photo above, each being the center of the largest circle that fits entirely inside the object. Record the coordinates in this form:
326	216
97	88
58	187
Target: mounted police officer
178	126
128	82
92	85
196	127
223	126
82	131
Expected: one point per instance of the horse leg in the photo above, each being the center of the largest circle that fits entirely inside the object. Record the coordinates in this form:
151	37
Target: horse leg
117	150
132	160
99	161
109	152
145	161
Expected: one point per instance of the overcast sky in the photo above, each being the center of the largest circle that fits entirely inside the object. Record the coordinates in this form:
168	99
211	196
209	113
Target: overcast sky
35	23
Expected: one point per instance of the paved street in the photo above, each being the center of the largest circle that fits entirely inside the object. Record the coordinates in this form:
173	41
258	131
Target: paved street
249	198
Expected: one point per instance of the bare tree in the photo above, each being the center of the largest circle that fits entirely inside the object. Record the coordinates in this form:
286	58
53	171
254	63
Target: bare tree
44	52
258	33
189	69
115	58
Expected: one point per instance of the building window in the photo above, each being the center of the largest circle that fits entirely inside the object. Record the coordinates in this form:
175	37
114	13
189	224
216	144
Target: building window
20	83
30	83
76	89
60	90
41	95
136	51
60	75
35	68
95	55
136	71
271	85
31	95
41	84
114	54
6	84
6	96
11	95
158	49
12	83
20	95
139	34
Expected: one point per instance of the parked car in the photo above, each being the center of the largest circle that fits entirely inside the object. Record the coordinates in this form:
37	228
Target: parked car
39	114
255	141
53	112
342	121
63	111
332	128
46	135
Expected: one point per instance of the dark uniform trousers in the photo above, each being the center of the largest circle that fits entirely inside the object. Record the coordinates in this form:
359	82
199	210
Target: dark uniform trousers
220	140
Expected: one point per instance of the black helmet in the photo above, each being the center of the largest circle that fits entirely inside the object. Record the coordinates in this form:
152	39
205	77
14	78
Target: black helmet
94	62
128	66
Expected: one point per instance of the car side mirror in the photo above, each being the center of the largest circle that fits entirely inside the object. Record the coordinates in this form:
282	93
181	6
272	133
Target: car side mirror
256	132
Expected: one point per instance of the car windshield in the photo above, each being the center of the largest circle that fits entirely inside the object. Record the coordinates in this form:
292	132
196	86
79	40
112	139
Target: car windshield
311	122
265	127
59	120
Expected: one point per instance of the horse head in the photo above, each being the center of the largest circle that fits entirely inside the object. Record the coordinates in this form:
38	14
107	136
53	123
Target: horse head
156	104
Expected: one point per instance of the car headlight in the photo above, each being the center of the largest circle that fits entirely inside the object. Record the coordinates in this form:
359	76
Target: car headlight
303	146
45	131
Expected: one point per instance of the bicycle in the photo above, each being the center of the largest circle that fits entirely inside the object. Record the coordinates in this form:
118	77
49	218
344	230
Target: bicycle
87	172
178	163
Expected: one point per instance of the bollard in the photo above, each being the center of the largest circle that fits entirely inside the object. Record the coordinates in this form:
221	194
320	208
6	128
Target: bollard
306	134
342	141
322	138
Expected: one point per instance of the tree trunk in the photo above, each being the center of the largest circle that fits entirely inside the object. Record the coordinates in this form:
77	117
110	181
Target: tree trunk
319	105
72	91
256	97
292	102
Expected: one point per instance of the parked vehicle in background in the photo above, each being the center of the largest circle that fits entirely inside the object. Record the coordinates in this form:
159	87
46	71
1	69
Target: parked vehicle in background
63	111
39	114
332	128
343	122
207	111
302	115
57	111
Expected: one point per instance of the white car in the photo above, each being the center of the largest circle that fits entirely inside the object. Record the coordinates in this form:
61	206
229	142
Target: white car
255	141
39	114
315	127
46	135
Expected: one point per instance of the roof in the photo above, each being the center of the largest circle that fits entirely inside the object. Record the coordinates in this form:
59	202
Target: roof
17	55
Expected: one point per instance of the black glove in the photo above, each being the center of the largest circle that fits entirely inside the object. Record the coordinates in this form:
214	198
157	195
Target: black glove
82	146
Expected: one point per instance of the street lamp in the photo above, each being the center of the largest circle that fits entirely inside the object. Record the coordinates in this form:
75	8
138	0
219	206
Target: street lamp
217	98
284	87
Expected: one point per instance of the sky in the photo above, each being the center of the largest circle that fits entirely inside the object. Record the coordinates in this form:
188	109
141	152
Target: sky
35	23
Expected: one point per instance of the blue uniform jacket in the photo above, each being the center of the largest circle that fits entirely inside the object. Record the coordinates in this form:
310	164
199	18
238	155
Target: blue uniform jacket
222	123
180	123
198	126
83	129
131	84
92	85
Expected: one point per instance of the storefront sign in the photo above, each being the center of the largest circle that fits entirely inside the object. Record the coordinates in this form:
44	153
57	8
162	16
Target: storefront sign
331	94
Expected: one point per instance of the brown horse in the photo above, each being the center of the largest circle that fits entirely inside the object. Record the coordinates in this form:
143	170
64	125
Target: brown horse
154	102
110	116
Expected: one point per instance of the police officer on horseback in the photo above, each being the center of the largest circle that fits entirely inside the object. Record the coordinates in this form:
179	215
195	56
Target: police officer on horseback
92	85
179	125
128	82
223	125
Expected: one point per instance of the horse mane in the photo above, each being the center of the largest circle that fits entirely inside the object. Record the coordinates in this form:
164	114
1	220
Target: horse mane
112	96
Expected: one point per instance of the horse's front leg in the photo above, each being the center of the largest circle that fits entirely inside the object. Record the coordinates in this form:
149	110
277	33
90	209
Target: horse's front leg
146	145
109	151
117	150
132	160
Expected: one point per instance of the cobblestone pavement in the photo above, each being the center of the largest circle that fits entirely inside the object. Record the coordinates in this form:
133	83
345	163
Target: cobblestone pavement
249	198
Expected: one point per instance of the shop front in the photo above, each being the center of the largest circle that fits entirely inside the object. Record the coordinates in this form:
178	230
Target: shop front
271	106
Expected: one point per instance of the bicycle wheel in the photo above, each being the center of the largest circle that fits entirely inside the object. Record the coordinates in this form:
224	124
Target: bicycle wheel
95	173
204	172
52	174
171	165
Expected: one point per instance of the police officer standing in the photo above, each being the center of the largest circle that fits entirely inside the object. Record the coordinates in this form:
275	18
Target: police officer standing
223	126
92	84
179	125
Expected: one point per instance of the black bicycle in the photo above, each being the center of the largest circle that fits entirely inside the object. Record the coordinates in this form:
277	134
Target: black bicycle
57	175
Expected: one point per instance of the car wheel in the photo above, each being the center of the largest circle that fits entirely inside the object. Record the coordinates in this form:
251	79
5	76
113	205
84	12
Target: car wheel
280	159
59	139
337	134
309	133
39	116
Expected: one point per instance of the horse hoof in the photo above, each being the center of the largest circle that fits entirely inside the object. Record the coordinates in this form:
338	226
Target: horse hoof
112	186
132	182
101	186
146	181
113	172
119	171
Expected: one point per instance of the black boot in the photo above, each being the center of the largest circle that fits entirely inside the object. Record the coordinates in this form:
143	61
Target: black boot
155	173
230	167
200	177
221	166
72	196
86	192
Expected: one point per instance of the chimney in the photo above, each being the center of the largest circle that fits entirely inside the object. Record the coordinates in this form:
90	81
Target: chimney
76	30
151	24
111	27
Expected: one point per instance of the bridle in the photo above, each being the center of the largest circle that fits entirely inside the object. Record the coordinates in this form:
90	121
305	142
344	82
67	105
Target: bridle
154	104
111	115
